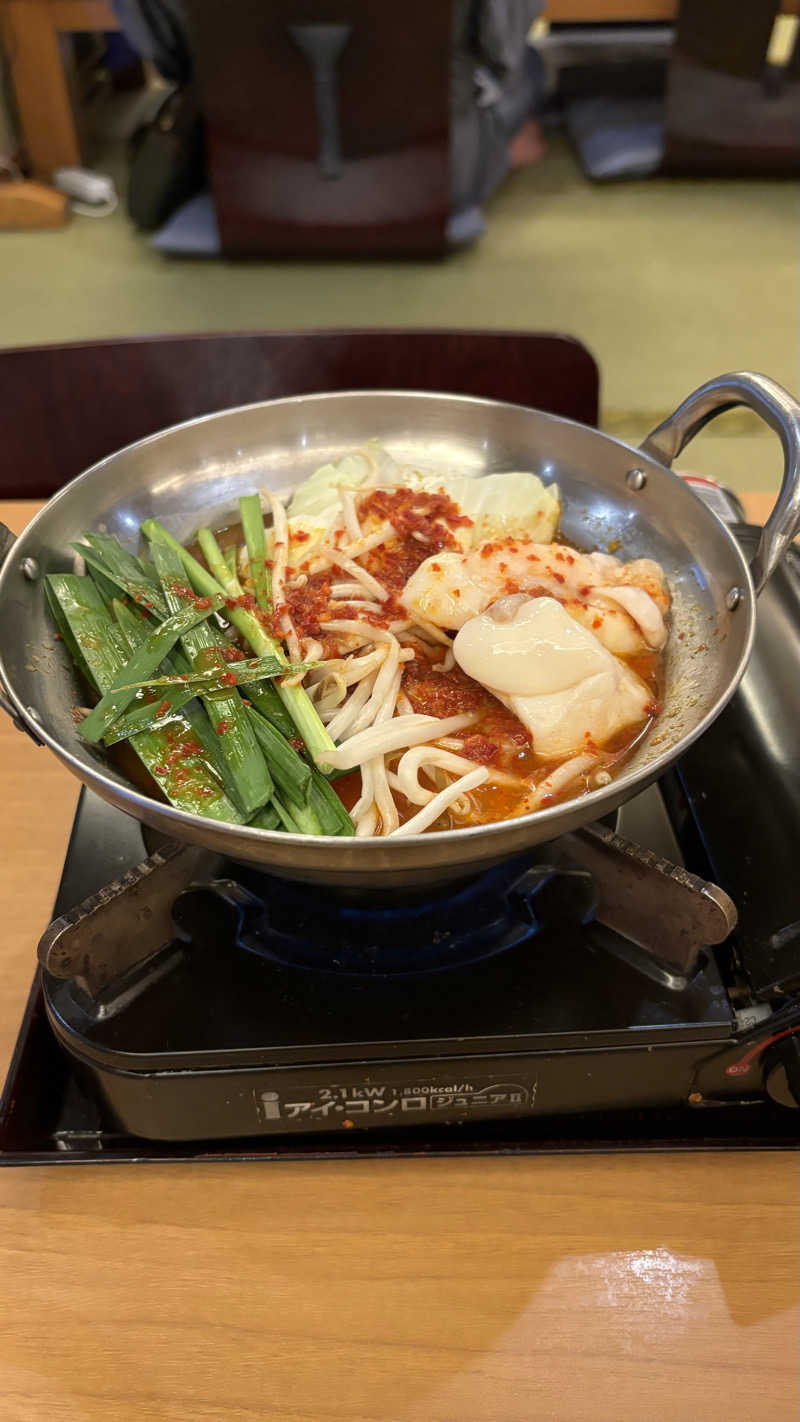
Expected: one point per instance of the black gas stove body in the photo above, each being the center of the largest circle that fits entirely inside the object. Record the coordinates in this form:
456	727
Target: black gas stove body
278	1020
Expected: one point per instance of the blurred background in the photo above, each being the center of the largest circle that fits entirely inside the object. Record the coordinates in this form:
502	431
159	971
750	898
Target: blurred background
623	171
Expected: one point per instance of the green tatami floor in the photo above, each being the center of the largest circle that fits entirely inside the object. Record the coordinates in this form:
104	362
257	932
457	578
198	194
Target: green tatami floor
668	282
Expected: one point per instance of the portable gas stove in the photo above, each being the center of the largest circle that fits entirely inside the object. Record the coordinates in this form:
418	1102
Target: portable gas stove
591	994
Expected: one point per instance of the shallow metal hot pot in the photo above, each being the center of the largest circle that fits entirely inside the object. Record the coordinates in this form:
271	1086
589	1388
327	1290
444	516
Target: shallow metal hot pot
612	495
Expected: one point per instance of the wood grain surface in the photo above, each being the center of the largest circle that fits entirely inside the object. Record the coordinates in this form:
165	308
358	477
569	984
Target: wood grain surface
588	1289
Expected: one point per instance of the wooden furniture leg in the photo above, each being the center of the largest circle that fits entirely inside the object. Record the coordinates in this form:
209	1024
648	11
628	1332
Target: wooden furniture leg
33	47
33	40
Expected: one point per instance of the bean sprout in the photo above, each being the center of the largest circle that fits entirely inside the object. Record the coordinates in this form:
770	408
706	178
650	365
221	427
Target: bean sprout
365	544
346	590
359	575
280	556
562	776
429	632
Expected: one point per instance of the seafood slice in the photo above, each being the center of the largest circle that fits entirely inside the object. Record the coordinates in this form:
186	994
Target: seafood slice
623	604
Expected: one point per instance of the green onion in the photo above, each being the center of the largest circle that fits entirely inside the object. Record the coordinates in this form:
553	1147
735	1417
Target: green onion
217	677
230	558
193	714
101	646
149	717
232	769
106	588
265	698
297	819
253	529
290	773
330	811
134	624
141	665
208	586
65	632
108	556
285	818
162	710
215	559
175	759
247	775
295	699
267	819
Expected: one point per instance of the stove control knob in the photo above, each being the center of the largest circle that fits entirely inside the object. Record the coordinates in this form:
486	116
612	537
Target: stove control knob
782	1071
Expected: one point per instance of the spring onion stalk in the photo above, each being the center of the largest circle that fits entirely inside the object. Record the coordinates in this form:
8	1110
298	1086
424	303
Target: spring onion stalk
136	627
115	562
127	564
141	665
153	715
295	698
265	698
230	558
106	588
149	571
162	710
192	716
285	818
216	677
96	564
247	775
330	811
297	819
215	559
253	529
65	632
175	759
101	647
211	743
290	773
268	818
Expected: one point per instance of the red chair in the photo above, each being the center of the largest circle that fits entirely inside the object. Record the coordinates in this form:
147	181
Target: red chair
328	124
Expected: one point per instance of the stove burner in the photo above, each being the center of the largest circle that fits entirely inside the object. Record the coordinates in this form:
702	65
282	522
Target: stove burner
497	910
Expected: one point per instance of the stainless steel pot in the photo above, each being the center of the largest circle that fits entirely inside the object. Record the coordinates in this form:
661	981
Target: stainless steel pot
613	495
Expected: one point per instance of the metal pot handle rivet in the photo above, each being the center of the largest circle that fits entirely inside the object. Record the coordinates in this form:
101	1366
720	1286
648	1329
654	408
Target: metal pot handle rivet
10	710
781	412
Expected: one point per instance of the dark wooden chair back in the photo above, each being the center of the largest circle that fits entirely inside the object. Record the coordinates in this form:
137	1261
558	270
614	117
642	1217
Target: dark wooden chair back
728	111
64	407
327	124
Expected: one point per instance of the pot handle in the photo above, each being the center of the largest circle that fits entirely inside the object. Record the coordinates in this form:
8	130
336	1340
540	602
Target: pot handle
781	412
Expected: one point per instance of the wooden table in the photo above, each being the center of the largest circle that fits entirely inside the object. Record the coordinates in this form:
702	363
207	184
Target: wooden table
596	1289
